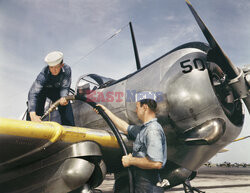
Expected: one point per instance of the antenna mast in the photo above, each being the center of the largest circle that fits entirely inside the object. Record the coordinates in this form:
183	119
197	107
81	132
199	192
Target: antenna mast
137	59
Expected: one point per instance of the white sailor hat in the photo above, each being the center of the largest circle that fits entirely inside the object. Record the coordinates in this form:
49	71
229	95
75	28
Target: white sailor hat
54	58
145	95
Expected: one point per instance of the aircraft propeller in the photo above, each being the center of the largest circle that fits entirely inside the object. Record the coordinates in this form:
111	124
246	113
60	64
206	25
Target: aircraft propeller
238	80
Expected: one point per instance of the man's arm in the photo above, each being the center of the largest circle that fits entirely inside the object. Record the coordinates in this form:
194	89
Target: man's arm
65	85
66	81
140	162
34	91
119	123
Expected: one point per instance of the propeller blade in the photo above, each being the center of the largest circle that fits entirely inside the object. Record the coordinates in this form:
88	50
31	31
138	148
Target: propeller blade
216	54
242	138
223	150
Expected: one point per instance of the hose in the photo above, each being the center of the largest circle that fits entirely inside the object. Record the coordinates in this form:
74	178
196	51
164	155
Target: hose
108	121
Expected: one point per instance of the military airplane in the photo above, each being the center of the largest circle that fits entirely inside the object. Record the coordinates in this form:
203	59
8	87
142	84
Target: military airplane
201	113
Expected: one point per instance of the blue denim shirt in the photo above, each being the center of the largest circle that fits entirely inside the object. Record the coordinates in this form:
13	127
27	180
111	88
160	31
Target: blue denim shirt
46	80
150	141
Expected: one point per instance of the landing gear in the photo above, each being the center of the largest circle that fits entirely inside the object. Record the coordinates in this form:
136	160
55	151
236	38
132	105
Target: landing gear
189	189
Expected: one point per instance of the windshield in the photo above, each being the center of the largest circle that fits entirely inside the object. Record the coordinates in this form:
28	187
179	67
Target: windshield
88	83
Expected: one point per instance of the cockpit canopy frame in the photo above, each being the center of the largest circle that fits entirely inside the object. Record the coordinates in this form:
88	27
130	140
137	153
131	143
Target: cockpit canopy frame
90	82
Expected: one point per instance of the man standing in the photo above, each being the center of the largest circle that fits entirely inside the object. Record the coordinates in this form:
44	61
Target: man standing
149	148
53	82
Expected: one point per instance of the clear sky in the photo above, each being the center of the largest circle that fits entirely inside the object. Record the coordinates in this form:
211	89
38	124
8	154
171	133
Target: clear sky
29	29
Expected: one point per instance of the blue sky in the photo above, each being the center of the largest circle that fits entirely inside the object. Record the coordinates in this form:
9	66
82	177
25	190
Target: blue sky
29	29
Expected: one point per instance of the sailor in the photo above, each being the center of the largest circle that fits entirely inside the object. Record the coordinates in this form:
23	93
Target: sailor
149	154
53	82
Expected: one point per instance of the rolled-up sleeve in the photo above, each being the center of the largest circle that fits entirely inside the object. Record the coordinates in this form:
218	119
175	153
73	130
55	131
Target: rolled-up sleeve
154	145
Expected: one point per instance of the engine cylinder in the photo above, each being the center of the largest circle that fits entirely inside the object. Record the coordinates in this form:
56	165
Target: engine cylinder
76	172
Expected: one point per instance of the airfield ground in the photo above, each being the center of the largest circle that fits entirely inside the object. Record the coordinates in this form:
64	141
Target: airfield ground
209	180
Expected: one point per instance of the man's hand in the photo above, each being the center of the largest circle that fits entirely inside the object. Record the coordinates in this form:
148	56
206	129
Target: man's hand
126	160
35	117
103	108
63	101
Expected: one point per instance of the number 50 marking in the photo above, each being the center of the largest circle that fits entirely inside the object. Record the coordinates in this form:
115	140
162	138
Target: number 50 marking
188	66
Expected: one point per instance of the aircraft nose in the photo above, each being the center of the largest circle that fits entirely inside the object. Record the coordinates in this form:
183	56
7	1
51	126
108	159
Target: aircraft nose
190	96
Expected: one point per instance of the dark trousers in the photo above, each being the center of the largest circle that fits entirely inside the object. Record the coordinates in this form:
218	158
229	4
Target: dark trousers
66	113
143	185
145	181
